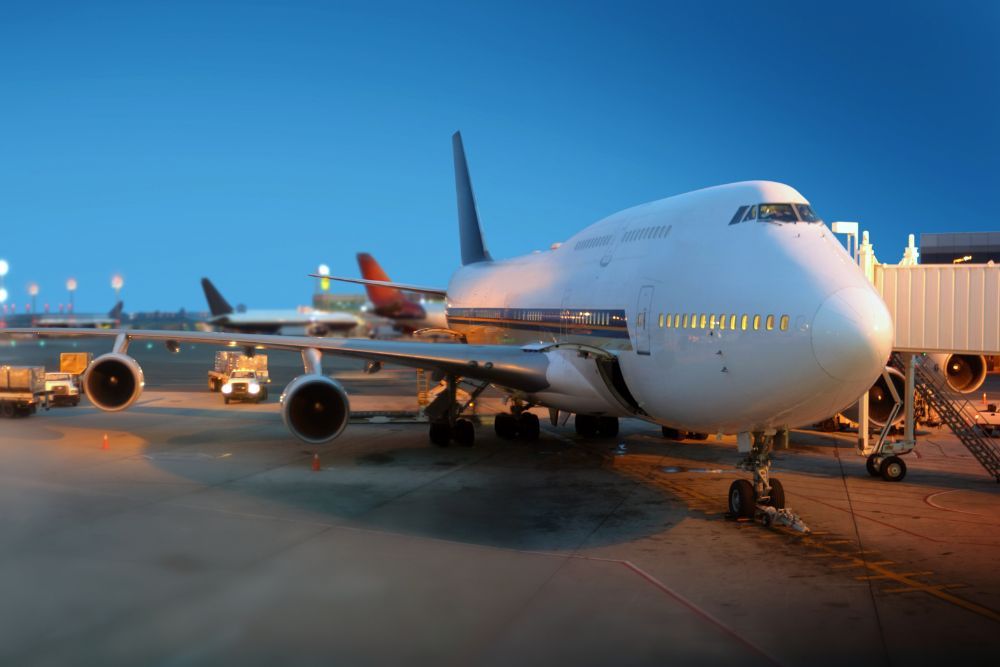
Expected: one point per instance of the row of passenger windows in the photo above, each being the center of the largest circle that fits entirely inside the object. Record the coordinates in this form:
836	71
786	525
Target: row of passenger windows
722	322
595	242
775	213
647	233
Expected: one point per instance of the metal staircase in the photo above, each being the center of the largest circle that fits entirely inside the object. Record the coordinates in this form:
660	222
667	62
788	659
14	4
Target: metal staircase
955	411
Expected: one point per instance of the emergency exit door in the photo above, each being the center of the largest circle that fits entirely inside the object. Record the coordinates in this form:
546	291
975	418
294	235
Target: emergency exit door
642	317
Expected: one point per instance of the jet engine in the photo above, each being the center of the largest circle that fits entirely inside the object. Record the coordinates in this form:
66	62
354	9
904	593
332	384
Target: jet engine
315	408
880	400
317	330
964	373
113	382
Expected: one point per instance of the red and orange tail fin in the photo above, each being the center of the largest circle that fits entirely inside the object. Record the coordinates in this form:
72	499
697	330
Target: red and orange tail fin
381	297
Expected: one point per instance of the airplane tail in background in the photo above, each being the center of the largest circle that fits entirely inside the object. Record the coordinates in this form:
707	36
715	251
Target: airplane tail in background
216	303
116	312
381	297
471	234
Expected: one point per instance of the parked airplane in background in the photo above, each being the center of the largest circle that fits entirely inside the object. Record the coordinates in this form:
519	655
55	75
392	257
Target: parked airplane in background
68	320
394	304
726	310
315	322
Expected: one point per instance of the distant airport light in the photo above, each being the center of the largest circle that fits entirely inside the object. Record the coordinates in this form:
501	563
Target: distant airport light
33	289
3	297
961	260
4	267
70	287
117	282
324	282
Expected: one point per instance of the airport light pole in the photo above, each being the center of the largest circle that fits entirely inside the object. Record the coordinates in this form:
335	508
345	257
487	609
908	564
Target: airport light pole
71	288
324	282
33	293
117	282
4	268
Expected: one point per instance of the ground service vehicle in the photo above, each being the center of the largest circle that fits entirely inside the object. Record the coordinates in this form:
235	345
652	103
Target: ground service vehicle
244	385
22	390
63	388
228	361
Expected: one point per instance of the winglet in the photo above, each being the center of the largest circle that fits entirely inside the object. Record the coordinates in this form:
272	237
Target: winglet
471	234
216	303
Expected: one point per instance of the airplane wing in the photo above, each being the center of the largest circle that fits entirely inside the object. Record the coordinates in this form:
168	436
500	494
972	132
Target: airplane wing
508	366
436	291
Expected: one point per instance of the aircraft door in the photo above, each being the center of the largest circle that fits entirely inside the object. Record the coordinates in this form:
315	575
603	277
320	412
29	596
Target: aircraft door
642	317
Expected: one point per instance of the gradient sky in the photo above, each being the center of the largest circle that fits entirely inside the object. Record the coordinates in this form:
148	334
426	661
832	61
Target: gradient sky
251	141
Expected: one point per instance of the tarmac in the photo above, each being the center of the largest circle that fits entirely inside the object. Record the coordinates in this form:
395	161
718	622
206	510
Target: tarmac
201	535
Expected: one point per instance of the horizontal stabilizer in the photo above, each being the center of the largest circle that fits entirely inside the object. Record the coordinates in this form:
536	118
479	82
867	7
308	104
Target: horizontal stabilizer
434	291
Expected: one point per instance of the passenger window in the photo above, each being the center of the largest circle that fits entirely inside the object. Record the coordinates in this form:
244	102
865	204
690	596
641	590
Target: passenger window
739	215
743	322
784	323
756	322
677	321
722	322
751	214
711	322
661	320
669	320
732	322
704	321
770	322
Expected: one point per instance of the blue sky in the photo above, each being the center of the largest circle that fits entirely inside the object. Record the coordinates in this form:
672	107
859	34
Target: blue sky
251	141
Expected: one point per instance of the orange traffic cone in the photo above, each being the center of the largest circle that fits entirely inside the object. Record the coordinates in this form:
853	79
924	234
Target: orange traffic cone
315	465
104	443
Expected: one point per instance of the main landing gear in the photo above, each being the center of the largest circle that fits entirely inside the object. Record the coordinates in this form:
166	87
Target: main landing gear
517	424
764	499
447	424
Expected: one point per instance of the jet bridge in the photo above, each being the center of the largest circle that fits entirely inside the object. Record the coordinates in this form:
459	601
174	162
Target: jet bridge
935	308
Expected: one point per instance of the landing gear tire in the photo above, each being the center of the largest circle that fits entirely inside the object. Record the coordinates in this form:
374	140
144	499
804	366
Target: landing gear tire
586	425
505	426
527	426
7	410
893	469
777	497
225	399
607	426
870	466
440	433
698	436
464	433
741	499
671	433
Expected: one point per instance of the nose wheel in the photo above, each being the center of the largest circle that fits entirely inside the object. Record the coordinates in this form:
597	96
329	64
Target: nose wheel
764	498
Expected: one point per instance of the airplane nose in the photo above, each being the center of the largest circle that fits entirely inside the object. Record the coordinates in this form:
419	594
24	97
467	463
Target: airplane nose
852	334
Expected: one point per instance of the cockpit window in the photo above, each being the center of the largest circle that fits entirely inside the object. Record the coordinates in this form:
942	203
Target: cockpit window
739	215
751	214
776	213
806	213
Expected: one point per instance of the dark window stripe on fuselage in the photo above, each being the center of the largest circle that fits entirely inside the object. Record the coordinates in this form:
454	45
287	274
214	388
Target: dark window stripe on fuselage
579	321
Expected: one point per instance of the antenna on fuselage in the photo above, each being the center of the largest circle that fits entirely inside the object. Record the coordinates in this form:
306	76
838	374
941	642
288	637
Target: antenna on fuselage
470	233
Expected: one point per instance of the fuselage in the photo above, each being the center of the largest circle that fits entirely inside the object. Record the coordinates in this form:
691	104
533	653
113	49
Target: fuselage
718	324
273	321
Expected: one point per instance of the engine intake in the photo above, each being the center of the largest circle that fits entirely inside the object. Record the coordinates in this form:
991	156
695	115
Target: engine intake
113	382
964	373
315	408
880	400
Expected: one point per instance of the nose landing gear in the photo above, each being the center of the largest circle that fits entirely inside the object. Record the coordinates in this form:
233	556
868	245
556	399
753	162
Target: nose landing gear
764	499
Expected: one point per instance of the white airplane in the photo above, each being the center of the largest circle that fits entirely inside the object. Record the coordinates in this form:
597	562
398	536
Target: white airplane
726	310
315	322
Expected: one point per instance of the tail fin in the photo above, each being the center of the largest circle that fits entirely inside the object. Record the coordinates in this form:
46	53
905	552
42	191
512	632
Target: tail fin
381	297
216	303
116	312
471	234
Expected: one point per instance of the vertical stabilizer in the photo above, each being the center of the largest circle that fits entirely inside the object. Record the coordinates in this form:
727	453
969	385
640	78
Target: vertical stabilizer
380	296
216	303
471	234
116	312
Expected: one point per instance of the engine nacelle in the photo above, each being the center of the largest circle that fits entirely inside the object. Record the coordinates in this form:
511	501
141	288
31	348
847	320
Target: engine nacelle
880	400
315	408
113	381
964	373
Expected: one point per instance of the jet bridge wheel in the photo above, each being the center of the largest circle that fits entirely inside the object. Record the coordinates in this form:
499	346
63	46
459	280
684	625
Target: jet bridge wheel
893	469
871	467
741	499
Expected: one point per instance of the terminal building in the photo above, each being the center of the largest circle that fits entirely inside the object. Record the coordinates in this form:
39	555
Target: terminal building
973	247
